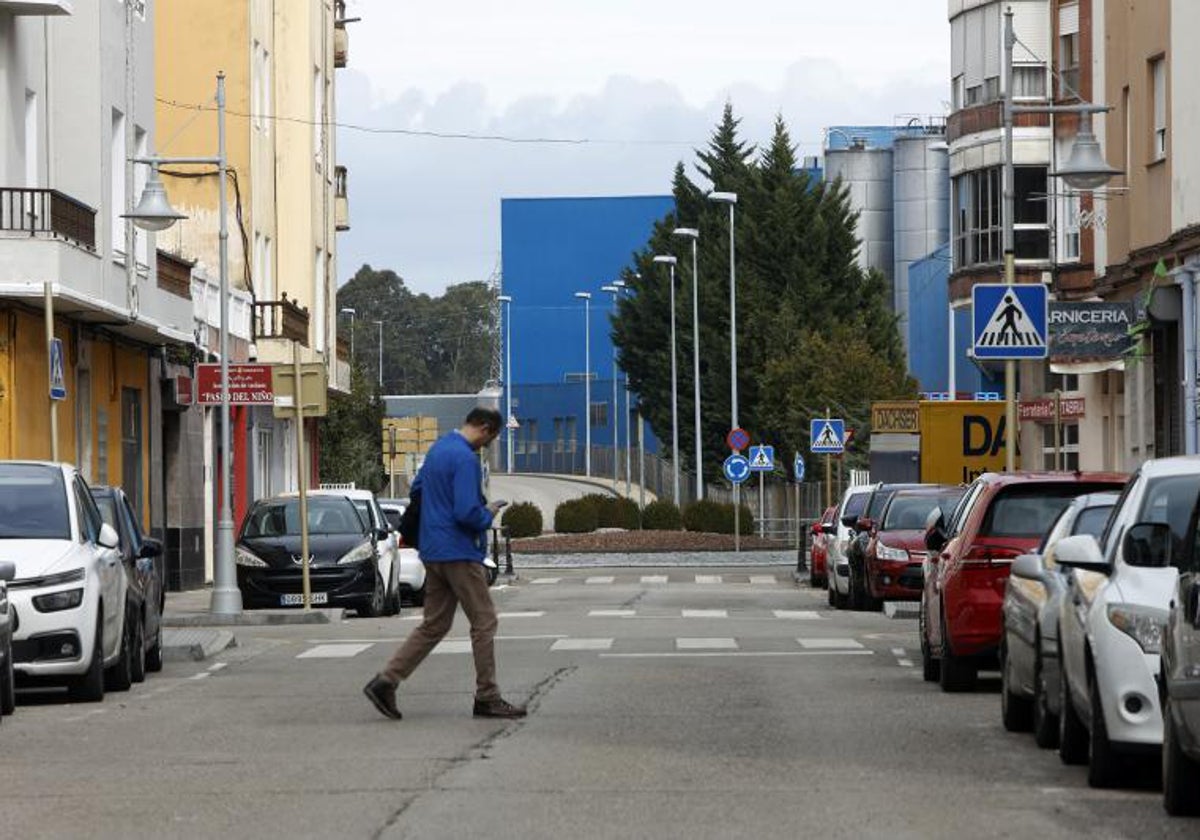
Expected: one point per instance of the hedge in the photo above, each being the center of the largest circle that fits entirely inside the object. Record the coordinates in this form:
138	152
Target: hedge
614	511
716	518
661	515
523	519
576	516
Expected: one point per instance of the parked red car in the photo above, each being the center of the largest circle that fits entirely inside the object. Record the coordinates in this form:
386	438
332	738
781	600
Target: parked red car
822	532
896	552
1001	516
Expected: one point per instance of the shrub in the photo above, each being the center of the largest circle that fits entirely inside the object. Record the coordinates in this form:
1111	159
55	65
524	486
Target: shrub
575	516
604	507
661	515
745	523
716	518
626	515
523	519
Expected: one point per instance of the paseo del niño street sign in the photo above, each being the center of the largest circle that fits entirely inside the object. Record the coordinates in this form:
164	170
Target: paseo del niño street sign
249	384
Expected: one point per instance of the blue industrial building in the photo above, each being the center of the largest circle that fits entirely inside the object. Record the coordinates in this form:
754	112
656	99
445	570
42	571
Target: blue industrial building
551	249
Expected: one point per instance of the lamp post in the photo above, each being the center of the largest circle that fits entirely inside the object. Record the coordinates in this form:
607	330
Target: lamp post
380	325
615	289
694	235
349	310
670	261
507	301
154	213
1085	169
629	412
730	198
586	297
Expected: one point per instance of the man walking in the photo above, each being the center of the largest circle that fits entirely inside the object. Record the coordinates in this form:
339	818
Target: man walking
452	544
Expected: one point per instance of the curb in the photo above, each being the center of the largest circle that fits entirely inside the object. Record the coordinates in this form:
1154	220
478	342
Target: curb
195	645
254	618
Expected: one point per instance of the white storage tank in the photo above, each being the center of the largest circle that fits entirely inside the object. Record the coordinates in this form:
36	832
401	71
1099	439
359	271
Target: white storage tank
920	163
866	171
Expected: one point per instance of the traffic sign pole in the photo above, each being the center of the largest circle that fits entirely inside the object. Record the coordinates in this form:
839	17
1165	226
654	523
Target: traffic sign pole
828	474
48	290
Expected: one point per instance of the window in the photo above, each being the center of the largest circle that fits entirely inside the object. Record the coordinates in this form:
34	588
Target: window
1065	382
977	218
599	414
1069	226
33	499
1068	60
991	89
958	94
1029	81
974	95
116	144
1158	77
1069	439
1031	214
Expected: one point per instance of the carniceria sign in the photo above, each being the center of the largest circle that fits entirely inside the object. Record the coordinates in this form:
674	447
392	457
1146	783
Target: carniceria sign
1089	330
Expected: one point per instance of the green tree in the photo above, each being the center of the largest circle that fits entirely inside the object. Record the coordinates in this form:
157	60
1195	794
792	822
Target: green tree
351	436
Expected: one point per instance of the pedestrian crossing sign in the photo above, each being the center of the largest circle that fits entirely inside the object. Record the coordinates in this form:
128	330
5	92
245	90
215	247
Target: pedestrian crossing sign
1010	321
828	436
58	379
762	458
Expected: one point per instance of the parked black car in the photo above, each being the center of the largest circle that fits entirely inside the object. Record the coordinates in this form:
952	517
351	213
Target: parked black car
343	563
8	690
142	557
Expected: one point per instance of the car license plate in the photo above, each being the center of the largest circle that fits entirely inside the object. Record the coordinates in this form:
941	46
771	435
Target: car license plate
296	599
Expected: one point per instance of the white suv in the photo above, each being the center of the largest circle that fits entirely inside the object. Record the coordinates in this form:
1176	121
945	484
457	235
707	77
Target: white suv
854	504
1113	616
69	592
387	541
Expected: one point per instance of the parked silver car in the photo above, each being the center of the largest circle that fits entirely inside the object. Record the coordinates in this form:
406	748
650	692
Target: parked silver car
1029	669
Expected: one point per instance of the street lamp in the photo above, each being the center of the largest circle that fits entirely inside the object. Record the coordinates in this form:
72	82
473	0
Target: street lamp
586	297
731	198
1085	169
380	325
694	235
670	261
154	213
507	301
615	289
349	310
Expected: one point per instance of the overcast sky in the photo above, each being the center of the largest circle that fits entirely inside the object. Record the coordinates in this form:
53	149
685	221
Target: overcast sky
642	81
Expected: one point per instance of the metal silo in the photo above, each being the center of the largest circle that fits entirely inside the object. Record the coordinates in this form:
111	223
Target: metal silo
866	171
922	208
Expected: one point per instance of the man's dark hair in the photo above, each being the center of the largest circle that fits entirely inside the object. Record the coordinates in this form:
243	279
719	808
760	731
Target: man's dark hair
483	417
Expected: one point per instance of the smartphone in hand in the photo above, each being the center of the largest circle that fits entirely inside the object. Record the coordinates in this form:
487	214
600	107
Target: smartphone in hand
497	503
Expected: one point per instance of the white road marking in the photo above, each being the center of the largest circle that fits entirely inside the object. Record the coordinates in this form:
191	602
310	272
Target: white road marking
453	646
525	614
612	613
899	652
654	578
827	644
582	644
218	666
546	580
600	579
904	663
702	654
708	578
84	716
763	579
338	651
201	675
801	615
706	644
706	613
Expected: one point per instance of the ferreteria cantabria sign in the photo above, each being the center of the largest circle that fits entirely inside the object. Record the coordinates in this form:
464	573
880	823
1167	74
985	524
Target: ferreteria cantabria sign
1089	331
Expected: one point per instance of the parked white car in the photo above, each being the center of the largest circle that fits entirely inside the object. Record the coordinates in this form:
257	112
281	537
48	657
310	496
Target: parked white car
1113	617
854	503
69	591
387	541
412	570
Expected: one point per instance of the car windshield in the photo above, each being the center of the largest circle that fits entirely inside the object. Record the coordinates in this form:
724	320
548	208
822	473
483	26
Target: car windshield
908	513
1091	520
281	518
108	508
855	504
879	500
1028	510
1169	499
33	503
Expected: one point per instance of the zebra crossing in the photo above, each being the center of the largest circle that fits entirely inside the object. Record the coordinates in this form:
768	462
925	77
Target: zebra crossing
703	579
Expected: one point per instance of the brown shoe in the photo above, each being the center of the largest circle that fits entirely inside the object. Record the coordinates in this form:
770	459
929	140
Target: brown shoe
382	694
498	708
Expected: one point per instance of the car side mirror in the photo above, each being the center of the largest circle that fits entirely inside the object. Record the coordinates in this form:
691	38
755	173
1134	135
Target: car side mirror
1148	544
8	570
1081	552
107	538
151	548
829	529
935	539
382	533
1028	566
849	520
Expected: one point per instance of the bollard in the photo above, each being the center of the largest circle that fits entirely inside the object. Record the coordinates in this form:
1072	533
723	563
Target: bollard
508	567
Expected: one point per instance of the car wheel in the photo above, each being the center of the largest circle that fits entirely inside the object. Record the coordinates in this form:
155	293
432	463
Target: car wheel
119	677
1015	711
957	672
154	656
137	651
89	687
1045	723
8	686
1104	764
1072	734
376	603
393	599
1181	775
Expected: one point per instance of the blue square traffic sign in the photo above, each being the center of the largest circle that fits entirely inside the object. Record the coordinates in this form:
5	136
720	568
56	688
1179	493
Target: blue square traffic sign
762	458
1009	321
827	436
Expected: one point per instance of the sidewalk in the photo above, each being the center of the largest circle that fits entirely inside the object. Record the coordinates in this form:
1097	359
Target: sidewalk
191	633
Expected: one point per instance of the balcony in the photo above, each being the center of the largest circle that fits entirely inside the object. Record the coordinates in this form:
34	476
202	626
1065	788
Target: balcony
175	275
341	201
41	211
36	7
281	318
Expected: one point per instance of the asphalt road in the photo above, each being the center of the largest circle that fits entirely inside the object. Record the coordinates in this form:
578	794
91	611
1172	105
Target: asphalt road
674	702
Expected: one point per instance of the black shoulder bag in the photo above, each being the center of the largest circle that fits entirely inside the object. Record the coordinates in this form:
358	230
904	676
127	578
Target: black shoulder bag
410	522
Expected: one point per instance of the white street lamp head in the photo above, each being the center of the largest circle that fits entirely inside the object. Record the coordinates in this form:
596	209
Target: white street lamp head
691	233
612	289
620	284
154	212
504	298
723	197
1086	168
349	310
584	295
665	259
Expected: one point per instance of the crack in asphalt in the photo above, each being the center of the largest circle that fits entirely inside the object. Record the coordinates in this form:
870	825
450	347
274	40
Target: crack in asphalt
480	749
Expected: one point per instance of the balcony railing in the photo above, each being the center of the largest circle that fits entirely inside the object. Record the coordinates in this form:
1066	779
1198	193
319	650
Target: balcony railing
281	319
175	275
34	211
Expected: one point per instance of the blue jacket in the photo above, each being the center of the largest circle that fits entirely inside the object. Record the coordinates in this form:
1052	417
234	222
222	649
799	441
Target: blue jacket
454	516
